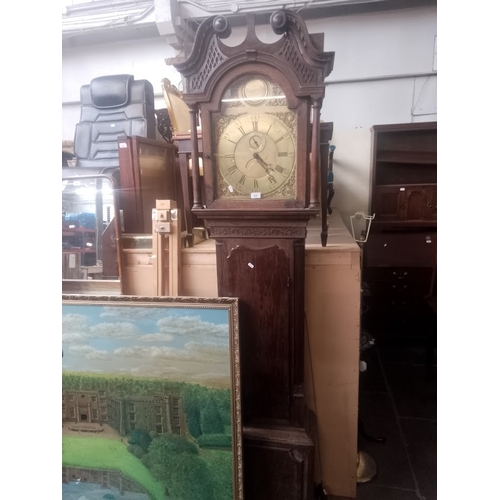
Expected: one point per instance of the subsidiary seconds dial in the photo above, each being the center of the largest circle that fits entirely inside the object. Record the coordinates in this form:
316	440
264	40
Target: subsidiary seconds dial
256	154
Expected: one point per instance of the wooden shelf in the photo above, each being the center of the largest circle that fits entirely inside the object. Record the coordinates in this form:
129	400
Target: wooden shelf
405	184
413	157
402	226
71	231
78	250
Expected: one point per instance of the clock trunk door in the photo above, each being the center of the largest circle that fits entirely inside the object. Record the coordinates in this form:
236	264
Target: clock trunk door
260	279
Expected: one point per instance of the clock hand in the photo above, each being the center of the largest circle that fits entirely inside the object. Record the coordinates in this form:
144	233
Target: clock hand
266	167
262	162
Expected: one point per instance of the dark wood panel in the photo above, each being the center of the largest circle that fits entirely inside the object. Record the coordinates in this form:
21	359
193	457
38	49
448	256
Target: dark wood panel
415	157
415	139
410	203
387	202
265	342
399	249
148	172
184	146
399	281
404	172
278	464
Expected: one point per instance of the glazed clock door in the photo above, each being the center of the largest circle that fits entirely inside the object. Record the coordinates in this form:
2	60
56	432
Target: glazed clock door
255	143
265	347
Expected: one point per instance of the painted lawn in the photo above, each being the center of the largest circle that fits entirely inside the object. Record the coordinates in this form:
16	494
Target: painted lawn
108	454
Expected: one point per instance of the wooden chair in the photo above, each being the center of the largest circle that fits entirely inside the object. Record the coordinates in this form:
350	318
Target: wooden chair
177	108
181	128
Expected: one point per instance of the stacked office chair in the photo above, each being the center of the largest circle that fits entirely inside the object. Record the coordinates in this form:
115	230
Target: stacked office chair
111	106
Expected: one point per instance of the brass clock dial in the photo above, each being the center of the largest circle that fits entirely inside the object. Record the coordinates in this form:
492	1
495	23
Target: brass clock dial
256	154
255	148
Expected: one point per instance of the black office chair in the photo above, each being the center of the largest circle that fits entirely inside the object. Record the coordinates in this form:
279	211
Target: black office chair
112	106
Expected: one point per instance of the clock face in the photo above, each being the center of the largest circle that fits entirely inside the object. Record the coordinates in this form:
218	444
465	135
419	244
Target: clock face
255	142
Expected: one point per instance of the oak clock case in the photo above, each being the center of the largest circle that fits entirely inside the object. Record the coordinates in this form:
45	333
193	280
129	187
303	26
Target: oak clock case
255	141
259	109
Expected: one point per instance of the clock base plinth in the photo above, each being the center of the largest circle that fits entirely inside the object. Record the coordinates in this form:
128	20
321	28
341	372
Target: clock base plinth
278	463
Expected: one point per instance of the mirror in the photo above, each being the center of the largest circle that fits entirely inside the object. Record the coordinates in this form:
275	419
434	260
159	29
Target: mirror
90	232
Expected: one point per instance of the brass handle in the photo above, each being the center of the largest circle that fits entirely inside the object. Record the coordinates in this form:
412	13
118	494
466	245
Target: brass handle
400	288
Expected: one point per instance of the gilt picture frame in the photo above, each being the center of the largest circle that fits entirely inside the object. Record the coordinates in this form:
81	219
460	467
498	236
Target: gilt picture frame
151	399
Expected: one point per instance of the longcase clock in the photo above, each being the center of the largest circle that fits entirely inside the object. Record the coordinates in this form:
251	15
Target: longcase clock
259	106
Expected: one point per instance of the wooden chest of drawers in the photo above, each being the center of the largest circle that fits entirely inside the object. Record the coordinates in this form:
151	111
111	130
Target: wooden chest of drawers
399	258
399	282
401	249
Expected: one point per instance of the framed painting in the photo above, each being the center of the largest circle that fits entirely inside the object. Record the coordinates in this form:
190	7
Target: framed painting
151	406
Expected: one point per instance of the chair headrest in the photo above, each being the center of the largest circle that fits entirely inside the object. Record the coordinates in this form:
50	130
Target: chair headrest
110	91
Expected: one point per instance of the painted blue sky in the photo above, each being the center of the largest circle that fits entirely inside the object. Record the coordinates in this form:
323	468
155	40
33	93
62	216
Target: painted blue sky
177	343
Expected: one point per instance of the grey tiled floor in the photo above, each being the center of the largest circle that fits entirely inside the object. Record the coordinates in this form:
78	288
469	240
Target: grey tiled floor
398	400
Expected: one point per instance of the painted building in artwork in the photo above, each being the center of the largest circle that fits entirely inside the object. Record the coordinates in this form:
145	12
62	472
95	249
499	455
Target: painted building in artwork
160	413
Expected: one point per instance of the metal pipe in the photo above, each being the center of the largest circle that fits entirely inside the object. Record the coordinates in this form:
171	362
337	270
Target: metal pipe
380	78
105	5
224	6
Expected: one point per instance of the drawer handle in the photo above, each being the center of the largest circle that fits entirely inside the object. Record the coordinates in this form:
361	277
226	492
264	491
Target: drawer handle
399	289
400	276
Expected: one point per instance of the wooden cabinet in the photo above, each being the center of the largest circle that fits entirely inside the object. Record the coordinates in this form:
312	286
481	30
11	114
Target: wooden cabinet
400	255
407	203
148	172
404	175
